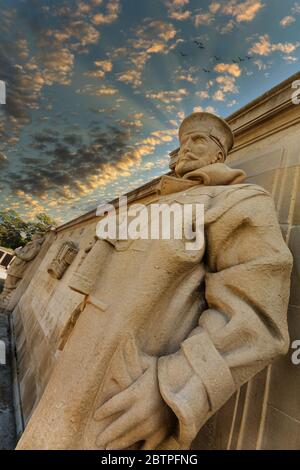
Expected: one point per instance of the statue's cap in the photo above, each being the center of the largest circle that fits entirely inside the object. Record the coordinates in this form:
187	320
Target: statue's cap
213	125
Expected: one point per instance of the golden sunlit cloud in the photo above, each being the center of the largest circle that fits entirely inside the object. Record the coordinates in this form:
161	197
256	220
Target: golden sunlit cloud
218	96
245	11
105	65
214	7
98	91
168	96
175	11
203	18
227	84
141	71
287	20
180	15
264	47
113	9
232	69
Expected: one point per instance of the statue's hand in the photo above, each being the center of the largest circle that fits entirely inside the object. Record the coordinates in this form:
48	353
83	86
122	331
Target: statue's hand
141	414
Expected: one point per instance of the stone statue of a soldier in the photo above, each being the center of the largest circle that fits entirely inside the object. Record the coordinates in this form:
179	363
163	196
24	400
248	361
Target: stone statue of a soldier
23	255
167	335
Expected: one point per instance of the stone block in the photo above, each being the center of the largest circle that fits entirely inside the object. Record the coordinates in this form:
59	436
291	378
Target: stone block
285	376
281	432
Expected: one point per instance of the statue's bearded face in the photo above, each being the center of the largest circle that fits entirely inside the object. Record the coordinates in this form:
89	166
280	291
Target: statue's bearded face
197	150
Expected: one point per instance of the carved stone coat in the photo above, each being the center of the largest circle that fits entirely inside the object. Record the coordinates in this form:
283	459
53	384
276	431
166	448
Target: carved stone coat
213	317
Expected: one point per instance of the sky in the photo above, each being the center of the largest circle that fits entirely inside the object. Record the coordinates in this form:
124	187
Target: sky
96	89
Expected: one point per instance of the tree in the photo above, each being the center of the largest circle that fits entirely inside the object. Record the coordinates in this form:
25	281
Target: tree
14	231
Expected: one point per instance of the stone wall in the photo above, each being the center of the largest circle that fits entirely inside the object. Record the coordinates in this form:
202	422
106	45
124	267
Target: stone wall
41	316
266	412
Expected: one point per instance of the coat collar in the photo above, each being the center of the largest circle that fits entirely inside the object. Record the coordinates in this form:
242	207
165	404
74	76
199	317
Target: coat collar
216	174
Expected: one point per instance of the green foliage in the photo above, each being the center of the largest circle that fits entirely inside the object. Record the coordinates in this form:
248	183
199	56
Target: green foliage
14	231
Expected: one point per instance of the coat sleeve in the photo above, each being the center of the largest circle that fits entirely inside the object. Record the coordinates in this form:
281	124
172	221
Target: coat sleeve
244	327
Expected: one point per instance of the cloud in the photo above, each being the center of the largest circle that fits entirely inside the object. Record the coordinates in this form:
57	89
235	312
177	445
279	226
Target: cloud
228	27
105	65
165	31
287	20
55	66
261	65
197	109
296	8
165	135
180	15
69	168
227	84
128	123
264	47
167	97
190	74
232	69
244	11
203	18
290	59
113	9
231	103
132	76
210	109
219	96
240	12
32	205
203	95
149	165
104	90
95	74
214	7
3	160
70	165
179	3
153	37
84	32
156	47
175	11
46	58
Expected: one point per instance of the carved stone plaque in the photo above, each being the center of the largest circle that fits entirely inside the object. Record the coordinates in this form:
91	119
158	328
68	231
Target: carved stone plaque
63	259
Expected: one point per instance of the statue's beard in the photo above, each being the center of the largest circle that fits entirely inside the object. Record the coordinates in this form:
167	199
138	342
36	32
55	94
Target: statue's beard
187	162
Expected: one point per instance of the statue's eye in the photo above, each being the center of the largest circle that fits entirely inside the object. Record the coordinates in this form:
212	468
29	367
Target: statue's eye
198	139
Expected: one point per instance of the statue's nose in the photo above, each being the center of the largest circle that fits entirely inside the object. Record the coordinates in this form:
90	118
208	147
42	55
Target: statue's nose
187	145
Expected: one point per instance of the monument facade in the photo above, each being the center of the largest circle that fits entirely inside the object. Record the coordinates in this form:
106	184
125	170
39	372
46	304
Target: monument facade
221	313
84	353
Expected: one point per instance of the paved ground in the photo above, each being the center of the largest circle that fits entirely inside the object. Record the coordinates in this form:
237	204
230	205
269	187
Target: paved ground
7	422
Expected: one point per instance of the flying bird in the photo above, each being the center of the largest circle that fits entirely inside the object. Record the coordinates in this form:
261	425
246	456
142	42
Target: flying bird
206	71
234	61
241	60
249	57
199	44
183	55
217	58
